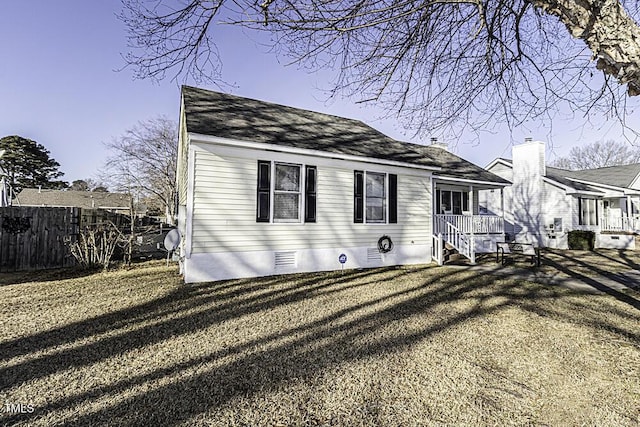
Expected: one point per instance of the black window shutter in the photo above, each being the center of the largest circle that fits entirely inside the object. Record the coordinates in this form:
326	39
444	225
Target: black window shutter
311	174
358	196
264	191
595	202
393	199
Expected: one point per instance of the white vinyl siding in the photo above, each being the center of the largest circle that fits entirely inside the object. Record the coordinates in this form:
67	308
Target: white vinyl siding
225	208
556	204
502	171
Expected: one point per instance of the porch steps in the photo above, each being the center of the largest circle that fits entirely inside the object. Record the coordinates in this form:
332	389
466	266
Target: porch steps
452	256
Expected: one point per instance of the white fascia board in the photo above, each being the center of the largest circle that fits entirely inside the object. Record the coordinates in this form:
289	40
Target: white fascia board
496	161
118	208
597	184
191	172
469	181
182	135
635	182
197	137
570	190
624	190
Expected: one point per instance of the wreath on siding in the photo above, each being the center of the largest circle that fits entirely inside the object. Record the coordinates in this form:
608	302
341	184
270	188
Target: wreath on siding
385	244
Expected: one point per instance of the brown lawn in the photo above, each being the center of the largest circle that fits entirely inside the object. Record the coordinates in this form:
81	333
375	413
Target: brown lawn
408	346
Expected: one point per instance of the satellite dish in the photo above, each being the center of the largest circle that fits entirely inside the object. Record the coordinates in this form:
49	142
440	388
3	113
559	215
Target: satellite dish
172	240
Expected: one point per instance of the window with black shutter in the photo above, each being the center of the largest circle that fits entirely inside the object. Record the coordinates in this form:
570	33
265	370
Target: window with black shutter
282	195
375	197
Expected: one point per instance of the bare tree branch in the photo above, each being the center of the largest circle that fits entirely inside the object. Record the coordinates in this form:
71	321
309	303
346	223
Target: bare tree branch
599	154
438	64
143	162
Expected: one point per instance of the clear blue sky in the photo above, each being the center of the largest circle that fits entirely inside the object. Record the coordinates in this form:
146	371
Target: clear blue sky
59	86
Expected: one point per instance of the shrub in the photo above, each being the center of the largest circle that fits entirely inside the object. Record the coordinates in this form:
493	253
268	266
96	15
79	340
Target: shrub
582	240
96	245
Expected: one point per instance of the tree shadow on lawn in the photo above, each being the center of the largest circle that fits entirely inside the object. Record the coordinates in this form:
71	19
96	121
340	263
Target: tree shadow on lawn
566	259
48	275
298	352
181	300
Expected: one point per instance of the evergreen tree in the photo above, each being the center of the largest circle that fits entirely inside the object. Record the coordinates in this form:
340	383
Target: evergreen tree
27	164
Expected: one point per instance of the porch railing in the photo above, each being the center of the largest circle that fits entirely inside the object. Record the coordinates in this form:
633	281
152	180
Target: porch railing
456	238
631	224
470	224
437	249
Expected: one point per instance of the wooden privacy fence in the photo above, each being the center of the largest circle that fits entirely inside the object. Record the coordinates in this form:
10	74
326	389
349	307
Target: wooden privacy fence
33	238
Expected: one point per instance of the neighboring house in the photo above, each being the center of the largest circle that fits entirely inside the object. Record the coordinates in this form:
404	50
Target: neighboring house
544	203
266	189
114	202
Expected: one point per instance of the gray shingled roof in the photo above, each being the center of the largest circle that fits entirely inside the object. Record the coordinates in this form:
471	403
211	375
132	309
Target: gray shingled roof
70	198
617	176
562	175
233	117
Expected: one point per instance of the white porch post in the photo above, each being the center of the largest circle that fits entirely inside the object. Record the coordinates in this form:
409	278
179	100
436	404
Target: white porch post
434	203
629	226
502	213
473	238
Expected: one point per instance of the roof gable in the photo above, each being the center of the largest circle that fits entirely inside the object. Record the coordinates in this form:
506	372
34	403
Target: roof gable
243	119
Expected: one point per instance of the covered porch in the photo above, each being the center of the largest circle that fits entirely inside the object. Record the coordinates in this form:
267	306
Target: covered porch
458	204
621	214
462	221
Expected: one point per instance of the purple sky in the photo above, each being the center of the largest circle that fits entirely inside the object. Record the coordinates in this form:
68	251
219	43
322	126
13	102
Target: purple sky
59	86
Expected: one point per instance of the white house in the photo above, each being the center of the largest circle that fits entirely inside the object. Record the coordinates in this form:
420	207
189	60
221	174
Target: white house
266	189
544	203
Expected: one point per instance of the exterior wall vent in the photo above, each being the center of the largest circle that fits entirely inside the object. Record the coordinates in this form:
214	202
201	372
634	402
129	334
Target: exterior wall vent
286	260
373	255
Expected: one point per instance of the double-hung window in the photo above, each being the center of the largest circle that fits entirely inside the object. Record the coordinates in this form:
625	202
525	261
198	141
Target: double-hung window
588	211
375	198
289	196
286	193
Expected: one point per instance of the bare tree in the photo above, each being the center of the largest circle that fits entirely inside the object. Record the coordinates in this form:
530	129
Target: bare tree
440	64
598	155
88	184
144	162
